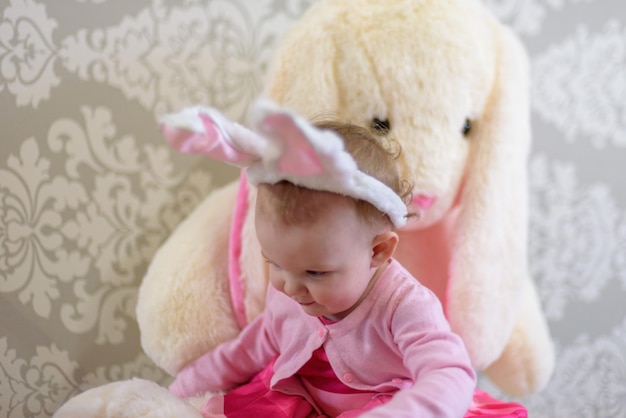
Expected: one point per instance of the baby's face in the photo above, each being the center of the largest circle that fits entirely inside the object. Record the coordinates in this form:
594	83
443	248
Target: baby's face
325	266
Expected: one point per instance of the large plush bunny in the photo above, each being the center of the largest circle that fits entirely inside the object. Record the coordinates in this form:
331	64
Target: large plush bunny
450	84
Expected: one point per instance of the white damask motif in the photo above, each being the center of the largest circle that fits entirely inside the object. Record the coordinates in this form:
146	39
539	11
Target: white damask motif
589	380
37	388
27	52
209	53
95	235
576	235
526	17
579	86
32	256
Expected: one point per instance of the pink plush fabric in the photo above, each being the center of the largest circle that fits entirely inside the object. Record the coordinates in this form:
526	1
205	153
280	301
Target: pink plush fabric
237	292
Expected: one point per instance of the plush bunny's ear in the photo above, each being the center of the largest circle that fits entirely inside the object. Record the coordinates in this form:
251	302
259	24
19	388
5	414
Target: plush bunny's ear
490	269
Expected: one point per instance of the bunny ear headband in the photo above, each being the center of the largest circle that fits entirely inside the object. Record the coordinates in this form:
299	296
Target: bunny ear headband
280	146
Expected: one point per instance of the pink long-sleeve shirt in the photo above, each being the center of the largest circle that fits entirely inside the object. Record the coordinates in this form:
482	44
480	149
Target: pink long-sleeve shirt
396	341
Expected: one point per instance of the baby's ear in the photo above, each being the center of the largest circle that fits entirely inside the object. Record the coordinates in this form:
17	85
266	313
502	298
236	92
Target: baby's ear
383	247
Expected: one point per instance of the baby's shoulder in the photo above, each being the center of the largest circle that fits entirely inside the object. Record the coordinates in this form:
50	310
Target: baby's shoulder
402	283
402	293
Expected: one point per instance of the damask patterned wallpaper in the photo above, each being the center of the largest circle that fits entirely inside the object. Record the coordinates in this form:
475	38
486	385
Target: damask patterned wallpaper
89	190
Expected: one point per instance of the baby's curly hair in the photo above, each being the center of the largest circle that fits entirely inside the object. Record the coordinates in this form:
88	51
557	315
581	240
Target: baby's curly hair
374	155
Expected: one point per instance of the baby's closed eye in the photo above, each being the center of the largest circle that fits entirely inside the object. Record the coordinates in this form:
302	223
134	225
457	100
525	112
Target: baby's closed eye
316	274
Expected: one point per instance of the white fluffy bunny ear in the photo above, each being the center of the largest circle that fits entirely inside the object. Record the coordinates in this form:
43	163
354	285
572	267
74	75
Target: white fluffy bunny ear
490	270
201	130
280	146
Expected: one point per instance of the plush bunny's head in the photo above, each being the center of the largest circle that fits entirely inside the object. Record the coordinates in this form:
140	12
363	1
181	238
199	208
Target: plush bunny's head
423	71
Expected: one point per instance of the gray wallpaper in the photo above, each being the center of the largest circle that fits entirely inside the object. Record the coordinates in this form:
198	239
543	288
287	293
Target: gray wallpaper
89	190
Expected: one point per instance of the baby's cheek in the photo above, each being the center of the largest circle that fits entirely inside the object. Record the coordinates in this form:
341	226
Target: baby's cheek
275	281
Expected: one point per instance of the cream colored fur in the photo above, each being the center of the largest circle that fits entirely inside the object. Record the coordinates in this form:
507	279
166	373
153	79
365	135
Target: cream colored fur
184	293
128	399
426	66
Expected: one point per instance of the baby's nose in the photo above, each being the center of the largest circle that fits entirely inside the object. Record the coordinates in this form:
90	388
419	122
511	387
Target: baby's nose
293	287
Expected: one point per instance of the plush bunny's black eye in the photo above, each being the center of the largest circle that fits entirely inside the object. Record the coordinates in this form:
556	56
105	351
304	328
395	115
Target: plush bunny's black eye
380	125
467	127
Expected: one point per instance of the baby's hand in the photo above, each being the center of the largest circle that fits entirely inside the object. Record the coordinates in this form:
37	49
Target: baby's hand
186	384
176	388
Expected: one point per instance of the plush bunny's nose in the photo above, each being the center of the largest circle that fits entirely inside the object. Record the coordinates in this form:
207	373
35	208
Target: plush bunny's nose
423	201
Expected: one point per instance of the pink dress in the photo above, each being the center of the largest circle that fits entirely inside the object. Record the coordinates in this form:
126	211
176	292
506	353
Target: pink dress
317	376
256	399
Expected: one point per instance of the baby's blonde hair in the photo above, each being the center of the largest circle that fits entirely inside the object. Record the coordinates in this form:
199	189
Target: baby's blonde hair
298	205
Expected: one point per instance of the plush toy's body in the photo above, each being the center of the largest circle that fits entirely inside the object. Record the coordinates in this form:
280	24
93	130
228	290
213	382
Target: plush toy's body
451	84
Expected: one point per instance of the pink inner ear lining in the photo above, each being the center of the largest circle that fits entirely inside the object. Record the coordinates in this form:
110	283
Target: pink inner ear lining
298	157
270	122
209	126
213	140
190	142
304	165
176	137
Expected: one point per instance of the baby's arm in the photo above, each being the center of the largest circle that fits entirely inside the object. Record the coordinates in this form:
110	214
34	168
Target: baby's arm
444	380
229	364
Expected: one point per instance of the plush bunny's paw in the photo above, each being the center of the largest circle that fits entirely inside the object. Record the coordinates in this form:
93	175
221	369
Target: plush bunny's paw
527	362
126	399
